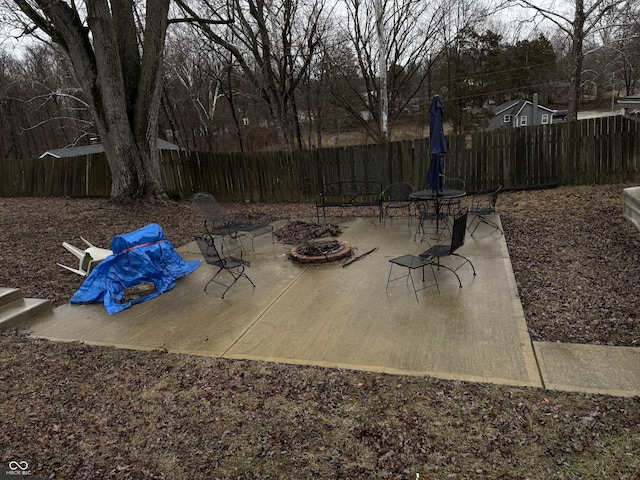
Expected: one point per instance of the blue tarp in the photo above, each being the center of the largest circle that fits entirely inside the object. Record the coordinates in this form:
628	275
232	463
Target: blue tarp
138	257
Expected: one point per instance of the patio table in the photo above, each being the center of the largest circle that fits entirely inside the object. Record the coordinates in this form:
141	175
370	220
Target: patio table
437	198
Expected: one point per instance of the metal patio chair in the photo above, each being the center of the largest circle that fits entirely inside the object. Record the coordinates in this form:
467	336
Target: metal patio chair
452	205
483	204
218	223
437	252
413	262
233	265
426	213
396	197
449	206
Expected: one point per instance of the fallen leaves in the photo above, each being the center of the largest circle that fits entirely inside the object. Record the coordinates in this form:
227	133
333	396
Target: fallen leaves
576	262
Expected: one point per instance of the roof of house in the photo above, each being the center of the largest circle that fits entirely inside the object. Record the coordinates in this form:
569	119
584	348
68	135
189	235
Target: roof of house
514	107
631	100
630	104
95	148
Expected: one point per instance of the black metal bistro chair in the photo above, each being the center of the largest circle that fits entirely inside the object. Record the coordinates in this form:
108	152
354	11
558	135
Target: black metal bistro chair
483	204
235	266
437	252
449	206
424	214
413	262
396	201
218	223
433	219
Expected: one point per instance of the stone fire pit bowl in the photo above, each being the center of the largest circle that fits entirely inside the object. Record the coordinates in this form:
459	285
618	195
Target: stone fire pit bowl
331	251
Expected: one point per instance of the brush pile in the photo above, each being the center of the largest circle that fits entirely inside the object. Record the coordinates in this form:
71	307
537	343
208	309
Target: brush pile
298	232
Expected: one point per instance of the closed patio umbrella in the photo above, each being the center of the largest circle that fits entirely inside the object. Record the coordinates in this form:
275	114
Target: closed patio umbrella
437	146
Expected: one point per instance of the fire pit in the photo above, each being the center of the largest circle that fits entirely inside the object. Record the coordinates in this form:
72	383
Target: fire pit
308	246
321	251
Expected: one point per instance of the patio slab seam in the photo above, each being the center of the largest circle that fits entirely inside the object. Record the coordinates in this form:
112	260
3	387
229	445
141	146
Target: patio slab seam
258	317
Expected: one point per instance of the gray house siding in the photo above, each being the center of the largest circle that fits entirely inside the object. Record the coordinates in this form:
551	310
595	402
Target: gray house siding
630	106
520	113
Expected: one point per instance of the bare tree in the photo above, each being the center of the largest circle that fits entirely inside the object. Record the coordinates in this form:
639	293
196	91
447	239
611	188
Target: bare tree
579	21
205	77
625	48
458	35
273	43
392	43
192	87
40	102
117	62
383	67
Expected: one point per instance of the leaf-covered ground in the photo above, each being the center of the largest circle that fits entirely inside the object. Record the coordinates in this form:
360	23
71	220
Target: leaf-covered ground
577	264
74	411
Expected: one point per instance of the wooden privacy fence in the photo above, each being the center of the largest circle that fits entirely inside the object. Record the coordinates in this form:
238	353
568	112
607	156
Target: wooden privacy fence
600	150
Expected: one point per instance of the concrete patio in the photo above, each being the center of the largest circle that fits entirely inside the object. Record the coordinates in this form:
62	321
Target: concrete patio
342	317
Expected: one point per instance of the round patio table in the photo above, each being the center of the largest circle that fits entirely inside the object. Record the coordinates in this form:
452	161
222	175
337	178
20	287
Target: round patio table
445	194
437	198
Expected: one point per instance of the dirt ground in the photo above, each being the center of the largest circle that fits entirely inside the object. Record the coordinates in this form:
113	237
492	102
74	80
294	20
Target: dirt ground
73	411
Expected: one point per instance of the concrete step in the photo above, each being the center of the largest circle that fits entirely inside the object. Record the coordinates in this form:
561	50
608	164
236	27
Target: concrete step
16	310
8	295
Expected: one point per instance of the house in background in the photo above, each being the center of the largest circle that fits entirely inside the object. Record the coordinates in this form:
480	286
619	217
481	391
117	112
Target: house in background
96	148
630	106
520	113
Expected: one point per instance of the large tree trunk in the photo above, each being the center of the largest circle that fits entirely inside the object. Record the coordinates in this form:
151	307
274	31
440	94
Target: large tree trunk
108	100
148	98
122	87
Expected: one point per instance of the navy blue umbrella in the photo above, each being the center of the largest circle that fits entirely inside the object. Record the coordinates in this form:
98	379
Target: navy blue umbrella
437	144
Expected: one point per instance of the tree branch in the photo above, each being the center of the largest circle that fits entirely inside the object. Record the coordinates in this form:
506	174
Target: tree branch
200	20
